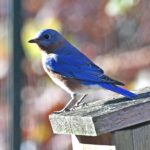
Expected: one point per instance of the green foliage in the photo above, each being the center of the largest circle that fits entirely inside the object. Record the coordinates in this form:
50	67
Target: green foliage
118	7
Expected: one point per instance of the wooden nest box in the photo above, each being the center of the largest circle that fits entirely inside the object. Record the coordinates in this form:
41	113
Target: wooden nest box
119	123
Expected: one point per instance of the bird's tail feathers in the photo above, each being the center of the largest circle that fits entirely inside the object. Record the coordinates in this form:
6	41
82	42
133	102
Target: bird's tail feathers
119	90
107	79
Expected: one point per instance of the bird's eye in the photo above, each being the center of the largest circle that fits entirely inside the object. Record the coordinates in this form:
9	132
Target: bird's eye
46	36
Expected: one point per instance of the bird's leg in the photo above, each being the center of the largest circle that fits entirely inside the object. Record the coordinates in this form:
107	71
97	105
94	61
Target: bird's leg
74	102
80	100
70	104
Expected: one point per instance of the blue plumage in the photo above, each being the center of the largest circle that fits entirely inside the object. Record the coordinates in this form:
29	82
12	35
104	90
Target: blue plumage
71	66
74	68
118	89
87	73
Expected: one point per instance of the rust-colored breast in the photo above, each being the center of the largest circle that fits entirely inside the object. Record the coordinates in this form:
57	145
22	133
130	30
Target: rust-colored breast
70	83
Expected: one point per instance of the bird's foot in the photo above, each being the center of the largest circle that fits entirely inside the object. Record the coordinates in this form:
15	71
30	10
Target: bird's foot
80	105
62	111
84	104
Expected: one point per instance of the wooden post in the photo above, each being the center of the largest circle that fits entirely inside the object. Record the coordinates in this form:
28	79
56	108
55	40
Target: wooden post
120	124
16	72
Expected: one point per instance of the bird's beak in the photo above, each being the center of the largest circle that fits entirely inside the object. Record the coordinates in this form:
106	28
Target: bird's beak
33	40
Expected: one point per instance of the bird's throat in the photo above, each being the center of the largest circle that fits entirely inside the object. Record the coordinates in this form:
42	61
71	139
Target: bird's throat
52	48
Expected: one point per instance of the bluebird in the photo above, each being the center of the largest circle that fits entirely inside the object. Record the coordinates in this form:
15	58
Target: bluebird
72	70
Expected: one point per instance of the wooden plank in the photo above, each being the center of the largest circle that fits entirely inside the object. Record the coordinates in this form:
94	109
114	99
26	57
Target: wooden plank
98	118
141	137
123	140
104	139
134	138
77	145
147	137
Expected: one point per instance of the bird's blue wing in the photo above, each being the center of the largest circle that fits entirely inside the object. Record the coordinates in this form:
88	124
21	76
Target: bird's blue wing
82	69
78	67
70	63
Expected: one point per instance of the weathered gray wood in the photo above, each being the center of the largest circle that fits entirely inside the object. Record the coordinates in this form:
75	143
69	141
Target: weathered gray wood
147	136
98	118
132	138
141	137
135	138
123	140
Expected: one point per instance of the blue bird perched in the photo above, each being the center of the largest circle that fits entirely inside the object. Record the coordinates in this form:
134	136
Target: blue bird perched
72	70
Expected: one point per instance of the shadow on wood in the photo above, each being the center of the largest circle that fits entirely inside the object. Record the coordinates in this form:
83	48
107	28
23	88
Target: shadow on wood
105	139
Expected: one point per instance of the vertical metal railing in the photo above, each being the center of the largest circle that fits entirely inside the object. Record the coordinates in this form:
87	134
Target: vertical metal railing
17	75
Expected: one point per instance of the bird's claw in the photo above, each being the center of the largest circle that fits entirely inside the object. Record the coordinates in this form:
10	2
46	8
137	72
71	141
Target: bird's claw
70	109
79	104
62	111
84	104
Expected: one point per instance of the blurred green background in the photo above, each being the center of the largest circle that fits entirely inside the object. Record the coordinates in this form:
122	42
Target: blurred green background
114	33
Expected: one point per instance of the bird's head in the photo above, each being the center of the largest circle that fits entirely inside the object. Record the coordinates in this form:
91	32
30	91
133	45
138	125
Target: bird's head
48	40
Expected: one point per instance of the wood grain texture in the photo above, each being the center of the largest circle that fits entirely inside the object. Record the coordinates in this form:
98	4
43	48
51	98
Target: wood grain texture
134	138
99	118
123	140
141	137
